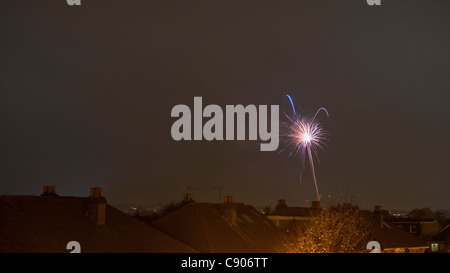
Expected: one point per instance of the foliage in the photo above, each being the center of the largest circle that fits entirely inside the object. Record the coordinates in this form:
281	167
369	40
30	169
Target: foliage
427	213
335	230
424	213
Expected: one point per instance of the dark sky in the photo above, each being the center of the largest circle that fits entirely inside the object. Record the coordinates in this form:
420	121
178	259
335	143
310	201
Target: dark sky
86	94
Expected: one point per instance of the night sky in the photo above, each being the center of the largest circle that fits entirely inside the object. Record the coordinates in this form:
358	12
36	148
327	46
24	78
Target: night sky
86	94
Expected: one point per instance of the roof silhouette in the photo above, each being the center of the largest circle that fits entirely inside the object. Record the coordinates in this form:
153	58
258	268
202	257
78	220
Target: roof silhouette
203	227
391	236
48	223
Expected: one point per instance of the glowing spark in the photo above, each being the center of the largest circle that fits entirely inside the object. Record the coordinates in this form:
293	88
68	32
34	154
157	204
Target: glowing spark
303	137
292	104
307	138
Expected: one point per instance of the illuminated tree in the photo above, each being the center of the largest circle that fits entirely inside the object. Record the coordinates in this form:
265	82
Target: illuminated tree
335	230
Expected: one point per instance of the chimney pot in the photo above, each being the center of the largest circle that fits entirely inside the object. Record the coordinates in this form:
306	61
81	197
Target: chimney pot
188	197
228	199
96	192
280	204
49	191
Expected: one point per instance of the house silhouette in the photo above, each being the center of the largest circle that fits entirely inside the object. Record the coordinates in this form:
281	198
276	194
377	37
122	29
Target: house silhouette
48	222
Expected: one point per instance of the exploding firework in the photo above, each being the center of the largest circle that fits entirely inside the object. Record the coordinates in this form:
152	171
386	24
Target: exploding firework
303	137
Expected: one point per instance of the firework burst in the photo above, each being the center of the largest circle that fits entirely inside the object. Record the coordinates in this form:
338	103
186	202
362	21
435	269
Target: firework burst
303	137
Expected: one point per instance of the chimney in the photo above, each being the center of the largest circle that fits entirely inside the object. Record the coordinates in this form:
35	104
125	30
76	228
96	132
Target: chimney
228	210
96	206
228	199
49	191
346	206
280	204
96	192
379	215
188	197
315	206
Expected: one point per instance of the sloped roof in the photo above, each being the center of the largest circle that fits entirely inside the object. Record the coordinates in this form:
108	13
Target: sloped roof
294	211
48	223
202	226
391	236
258	228
443	235
412	220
